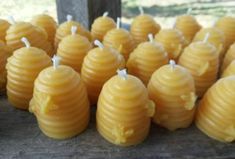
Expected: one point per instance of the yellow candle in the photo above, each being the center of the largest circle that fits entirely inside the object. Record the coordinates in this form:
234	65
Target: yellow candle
215	114
101	26
216	38
146	58
172	40
120	39
4	25
48	23
64	29
230	70
36	36
60	102
202	60
124	110
172	89
3	60
188	25
99	65
229	57
227	25
22	69
143	25
73	48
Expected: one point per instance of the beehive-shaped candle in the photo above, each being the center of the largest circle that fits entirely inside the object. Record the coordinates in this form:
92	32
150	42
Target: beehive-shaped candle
143	25
60	102
3	60
22	69
215	114
98	66
229	57
202	60
48	23
172	89
73	48
230	70
124	110
64	29
120	39
101	26
227	25
36	35
4	25
188	25
147	58
216	38
172	40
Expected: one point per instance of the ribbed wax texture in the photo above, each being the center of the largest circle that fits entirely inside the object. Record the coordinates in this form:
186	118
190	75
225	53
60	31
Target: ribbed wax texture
143	25
227	25
124	111
145	59
22	69
188	25
229	57
202	61
60	102
172	40
230	70
101	26
121	40
98	66
48	23
4	25
216	37
215	114
35	35
3	60
173	91
64	29
72	50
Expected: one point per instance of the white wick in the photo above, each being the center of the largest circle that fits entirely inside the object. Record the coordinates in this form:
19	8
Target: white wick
174	23
99	44
189	10
172	64
141	10
118	22
25	41
105	14
74	30
150	36
122	73
45	12
56	61
206	37
69	18
11	19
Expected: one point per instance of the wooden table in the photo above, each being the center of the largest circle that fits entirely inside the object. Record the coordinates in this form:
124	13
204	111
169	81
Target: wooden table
20	137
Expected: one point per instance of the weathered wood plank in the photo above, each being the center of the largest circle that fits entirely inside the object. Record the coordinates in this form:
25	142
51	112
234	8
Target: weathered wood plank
20	137
85	11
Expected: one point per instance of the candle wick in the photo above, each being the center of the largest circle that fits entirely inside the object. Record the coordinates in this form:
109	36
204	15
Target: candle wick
11	19
26	42
122	73
206	37
99	44
118	22
105	14
189	11
141	10
172	64
56	60
74	30
150	36
69	18
174	24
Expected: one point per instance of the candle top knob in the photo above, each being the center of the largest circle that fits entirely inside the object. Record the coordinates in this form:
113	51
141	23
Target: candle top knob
26	42
105	14
206	37
11	19
150	36
122	73
189	10
141	10
69	17
172	64
118	22
99	44
74	30
56	60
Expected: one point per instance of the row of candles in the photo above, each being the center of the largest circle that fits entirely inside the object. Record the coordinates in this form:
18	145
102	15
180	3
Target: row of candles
89	69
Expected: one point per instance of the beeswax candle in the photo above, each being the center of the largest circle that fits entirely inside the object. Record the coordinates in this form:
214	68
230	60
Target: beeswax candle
215	114
99	65
142	25
22	69
3	60
172	40
64	29
202	60
60	102
124	110
147	58
4	25
101	26
172	89
229	57
230	70
73	48
119	39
